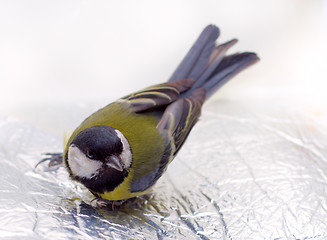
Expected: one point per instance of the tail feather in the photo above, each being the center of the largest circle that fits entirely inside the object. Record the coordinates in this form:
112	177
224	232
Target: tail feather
197	58
220	50
228	68
208	64
202	61
213	62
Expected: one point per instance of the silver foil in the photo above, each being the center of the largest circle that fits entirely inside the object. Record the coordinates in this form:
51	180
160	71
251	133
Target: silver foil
247	171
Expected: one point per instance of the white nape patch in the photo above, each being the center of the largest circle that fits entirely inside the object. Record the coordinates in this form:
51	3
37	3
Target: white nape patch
80	164
126	155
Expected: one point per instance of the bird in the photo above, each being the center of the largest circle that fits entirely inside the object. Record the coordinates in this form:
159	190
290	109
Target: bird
120	151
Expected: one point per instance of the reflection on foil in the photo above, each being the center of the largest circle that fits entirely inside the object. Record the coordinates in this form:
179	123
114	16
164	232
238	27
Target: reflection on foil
246	172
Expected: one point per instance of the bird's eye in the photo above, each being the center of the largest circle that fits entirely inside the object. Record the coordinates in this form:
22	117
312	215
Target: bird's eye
90	154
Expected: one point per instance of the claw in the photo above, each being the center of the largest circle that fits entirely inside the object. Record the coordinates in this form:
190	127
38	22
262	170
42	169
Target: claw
55	159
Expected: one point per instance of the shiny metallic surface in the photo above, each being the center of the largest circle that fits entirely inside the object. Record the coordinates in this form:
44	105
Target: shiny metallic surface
247	171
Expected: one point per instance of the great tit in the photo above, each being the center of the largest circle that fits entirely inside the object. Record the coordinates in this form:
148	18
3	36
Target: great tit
121	150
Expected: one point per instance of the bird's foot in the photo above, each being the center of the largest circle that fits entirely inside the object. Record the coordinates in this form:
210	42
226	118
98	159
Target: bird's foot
115	205
112	205
55	160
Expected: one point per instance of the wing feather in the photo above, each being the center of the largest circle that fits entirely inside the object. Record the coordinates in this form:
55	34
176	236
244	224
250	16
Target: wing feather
158	95
180	117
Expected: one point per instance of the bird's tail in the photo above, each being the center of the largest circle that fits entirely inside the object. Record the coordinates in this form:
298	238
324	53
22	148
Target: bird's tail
208	64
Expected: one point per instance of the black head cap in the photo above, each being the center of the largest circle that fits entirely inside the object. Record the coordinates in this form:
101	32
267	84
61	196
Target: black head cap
98	142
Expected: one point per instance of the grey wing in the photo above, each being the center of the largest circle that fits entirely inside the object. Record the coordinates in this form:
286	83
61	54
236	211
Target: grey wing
175	125
180	117
176	118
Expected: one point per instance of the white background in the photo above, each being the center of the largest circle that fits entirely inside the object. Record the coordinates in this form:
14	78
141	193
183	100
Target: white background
82	51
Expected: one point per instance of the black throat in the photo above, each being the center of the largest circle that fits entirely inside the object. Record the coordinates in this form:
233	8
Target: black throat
106	180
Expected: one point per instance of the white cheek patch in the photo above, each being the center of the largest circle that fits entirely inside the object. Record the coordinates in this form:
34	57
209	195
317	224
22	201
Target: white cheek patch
80	165
126	155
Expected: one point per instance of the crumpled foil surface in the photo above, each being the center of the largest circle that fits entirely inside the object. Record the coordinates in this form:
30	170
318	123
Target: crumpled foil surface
247	171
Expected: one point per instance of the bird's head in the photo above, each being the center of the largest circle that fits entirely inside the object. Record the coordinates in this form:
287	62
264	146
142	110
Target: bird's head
99	157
